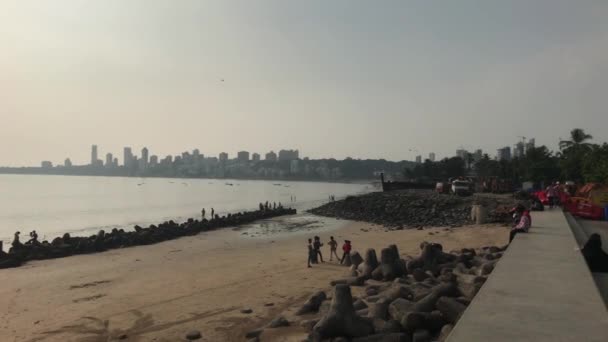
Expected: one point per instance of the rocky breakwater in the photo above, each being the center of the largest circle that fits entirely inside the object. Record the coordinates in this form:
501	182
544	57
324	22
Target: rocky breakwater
398	299
118	238
415	209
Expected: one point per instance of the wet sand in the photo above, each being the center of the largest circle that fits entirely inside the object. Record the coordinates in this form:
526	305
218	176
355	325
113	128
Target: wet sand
162	291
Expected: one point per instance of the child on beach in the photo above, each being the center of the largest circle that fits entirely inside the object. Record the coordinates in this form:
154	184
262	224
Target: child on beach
346	248
311	253
317	246
333	245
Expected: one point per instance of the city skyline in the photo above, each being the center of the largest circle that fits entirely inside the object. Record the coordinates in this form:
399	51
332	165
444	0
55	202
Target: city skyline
227	75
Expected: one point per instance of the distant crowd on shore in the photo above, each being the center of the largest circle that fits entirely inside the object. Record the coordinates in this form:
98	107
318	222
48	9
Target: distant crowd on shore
314	250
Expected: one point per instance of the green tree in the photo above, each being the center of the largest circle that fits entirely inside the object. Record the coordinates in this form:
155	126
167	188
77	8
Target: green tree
595	164
573	154
578	140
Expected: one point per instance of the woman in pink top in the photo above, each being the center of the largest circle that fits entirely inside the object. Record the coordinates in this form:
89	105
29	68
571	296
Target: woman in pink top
522	227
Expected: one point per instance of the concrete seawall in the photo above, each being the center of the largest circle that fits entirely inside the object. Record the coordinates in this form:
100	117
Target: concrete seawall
541	290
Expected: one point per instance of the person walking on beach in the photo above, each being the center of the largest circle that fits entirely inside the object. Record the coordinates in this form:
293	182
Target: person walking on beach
333	245
346	248
317	246
311	253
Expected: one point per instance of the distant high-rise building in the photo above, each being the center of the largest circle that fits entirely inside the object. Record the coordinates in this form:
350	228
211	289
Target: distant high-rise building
196	152
93	154
243	156
109	160
519	150
144	157
294	166
127	160
462	153
67	162
531	144
255	157
418	159
271	156
289	154
504	153
153	160
432	156
223	156
115	162
477	155
46	164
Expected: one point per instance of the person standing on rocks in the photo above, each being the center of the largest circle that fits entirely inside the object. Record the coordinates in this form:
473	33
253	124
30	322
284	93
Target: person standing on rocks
317	246
311	253
212	213
16	242
346	248
333	246
203	213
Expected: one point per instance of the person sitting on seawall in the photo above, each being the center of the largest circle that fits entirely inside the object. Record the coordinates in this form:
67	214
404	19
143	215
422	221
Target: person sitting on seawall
596	258
525	221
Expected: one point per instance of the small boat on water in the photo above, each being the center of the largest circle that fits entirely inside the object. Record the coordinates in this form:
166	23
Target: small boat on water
229	184
279	184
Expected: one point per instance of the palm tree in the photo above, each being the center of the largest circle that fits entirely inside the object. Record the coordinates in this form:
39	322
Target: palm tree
578	138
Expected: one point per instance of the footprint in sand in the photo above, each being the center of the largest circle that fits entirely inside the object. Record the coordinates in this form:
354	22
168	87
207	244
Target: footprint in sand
88	299
85	285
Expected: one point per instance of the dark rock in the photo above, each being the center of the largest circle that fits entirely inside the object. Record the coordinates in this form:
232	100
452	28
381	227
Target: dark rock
399	308
359	305
193	335
388	337
427	304
356	259
279	322
450	309
246	311
397	291
254	333
379	309
313	303
445	332
350	281
421	336
309	324
419	274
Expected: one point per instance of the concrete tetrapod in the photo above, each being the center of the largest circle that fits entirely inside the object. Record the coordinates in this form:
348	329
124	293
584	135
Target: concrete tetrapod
370	263
341	320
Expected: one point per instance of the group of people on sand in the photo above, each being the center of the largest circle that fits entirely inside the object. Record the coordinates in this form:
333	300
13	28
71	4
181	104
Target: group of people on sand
314	250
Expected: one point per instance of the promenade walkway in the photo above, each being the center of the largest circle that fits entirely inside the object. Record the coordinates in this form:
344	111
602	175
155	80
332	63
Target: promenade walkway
540	290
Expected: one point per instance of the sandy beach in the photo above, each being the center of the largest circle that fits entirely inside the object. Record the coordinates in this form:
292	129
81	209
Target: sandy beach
160	292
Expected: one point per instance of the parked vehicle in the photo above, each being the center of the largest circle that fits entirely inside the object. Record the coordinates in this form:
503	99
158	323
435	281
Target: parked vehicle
462	188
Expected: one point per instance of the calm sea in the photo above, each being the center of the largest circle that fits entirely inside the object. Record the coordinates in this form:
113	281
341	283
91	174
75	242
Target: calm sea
53	205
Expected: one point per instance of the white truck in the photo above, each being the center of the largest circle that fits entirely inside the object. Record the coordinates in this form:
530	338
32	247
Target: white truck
462	187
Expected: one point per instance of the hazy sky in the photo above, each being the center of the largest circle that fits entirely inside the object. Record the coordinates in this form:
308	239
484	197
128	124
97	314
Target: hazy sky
368	79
